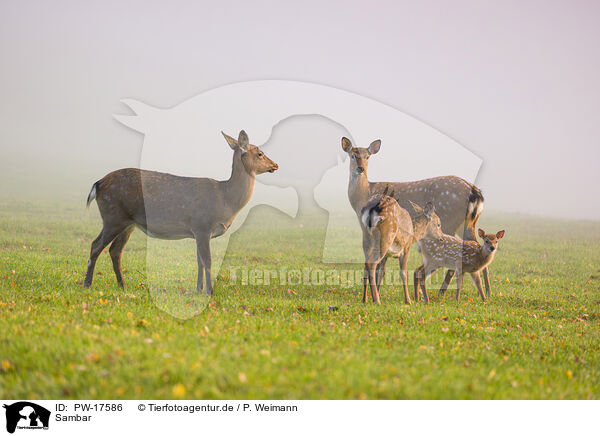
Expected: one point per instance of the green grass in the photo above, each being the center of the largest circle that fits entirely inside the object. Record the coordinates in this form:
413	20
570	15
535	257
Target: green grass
538	336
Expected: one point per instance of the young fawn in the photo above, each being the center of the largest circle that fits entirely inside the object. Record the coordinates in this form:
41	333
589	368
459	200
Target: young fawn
389	230
457	202
456	255
172	207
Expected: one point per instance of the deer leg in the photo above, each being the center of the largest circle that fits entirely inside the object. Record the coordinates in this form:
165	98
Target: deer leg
373	282
116	250
403	261
203	255
381	271
428	272
477	281
200	280
94	253
365	282
104	238
486	280
366	250
459	281
417	276
447	281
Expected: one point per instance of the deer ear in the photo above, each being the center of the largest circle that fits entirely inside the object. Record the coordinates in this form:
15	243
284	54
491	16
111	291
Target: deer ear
375	146
429	209
481	233
243	140
416	207
232	142
346	144
500	234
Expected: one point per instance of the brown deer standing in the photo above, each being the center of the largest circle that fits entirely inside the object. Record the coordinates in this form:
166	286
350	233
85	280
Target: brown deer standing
172	207
389	230
457	202
457	255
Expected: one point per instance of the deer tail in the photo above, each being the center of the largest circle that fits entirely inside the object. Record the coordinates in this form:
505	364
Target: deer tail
474	209
370	215
92	194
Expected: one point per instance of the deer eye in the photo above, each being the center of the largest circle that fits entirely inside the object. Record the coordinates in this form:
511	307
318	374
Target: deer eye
260	154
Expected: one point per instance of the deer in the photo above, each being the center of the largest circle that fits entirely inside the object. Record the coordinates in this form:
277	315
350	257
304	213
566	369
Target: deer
456	255
179	207
457	202
389	230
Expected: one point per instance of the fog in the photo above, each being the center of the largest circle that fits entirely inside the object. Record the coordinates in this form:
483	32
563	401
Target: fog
513	83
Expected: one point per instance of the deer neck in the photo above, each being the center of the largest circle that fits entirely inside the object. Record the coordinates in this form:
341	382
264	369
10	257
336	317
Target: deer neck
238	189
484	258
358	190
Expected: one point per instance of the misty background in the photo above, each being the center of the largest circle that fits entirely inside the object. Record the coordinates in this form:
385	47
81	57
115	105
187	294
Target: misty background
513	82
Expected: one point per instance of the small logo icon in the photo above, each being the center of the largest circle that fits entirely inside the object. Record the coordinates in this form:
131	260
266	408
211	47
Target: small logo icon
26	415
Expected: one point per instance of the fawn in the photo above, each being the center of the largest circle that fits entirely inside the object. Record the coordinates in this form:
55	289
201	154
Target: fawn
456	255
389	230
457	202
172	207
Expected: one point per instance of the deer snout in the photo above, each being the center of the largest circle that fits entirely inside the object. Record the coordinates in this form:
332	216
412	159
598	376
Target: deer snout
360	170
274	168
492	248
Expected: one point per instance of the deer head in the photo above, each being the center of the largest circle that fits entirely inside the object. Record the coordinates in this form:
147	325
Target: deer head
359	157
428	218
254	160
490	240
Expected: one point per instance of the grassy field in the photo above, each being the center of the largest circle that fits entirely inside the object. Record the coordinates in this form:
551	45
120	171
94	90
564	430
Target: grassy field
538	336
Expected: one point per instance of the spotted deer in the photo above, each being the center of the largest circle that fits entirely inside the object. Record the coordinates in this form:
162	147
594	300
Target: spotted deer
457	202
171	207
389	230
456	255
